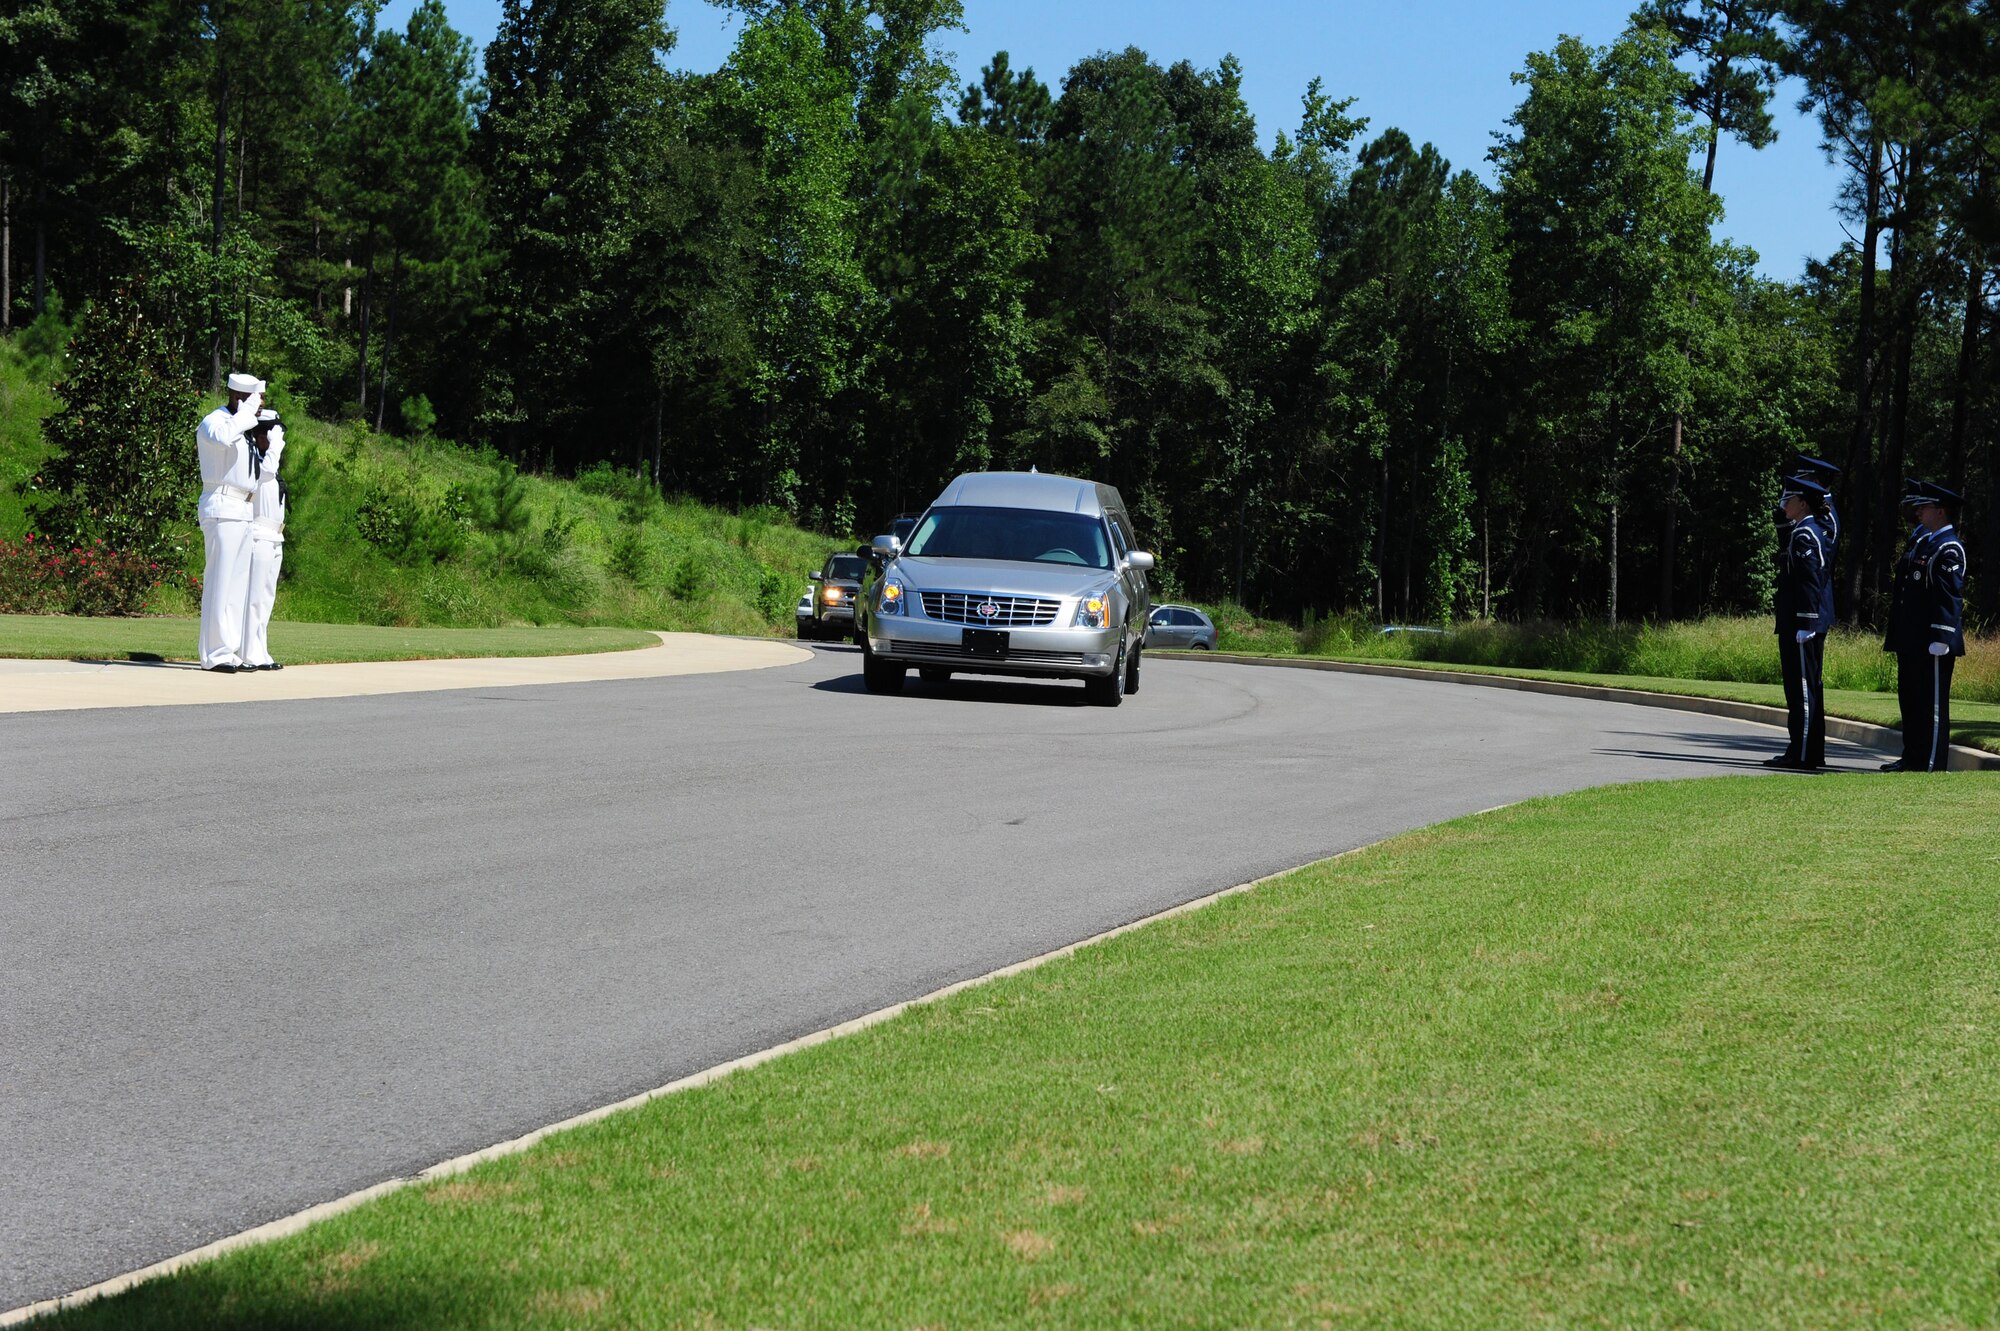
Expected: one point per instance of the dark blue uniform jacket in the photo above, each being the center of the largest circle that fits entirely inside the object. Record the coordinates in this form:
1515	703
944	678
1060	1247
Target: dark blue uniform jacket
1929	601
1805	579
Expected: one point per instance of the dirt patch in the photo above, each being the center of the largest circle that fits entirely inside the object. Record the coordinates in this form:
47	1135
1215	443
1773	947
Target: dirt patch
922	1150
467	1190
1063	1194
922	1222
335	1272
581	1301
1028	1245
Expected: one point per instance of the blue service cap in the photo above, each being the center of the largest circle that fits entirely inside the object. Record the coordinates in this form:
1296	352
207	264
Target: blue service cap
1805	465
1916	494
1801	487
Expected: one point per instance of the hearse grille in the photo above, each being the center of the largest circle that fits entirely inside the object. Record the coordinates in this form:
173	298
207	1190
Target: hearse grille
1009	612
1020	655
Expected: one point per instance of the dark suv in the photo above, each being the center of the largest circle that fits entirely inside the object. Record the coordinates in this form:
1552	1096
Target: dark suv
835	589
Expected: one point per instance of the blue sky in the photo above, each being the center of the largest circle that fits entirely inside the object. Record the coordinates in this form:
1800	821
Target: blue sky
1437	69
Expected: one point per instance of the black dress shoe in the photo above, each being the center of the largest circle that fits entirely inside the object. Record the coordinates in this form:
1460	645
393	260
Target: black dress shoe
1897	766
222	669
271	665
1784	760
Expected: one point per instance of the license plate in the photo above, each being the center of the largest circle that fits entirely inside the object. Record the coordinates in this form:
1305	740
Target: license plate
990	643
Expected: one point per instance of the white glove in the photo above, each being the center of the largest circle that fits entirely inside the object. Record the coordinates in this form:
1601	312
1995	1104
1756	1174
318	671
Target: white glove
1805	635
1940	649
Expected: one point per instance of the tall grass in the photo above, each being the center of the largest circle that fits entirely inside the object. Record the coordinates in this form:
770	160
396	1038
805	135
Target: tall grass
1739	649
426	533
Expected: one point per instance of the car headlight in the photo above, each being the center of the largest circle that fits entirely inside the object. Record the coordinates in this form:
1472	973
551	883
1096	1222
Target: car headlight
889	601
1093	612
833	595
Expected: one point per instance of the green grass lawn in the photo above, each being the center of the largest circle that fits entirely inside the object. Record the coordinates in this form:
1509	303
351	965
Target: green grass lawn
65	637
1713	1054
1975	724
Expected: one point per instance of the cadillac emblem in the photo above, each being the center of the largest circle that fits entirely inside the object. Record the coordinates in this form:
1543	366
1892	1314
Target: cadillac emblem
987	610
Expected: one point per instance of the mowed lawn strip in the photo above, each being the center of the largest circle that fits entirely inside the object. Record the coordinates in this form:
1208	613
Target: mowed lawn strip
1974	724
63	637
1718	1054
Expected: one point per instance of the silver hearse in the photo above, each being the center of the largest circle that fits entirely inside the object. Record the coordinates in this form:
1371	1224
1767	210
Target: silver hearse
1011	573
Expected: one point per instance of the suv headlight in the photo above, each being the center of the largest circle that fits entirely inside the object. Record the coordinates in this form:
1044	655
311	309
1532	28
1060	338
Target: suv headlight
889	601
1094	612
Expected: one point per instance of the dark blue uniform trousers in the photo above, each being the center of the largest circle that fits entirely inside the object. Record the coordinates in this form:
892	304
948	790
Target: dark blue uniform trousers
1923	687
1805	698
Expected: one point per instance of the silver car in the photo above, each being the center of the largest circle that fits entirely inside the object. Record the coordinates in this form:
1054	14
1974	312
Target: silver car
1181	627
1011	573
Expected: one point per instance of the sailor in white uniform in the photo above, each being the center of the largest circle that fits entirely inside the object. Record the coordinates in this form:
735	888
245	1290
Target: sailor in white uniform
227	485
267	542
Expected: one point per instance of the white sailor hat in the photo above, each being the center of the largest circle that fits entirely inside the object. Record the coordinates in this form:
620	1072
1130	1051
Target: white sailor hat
245	383
267	417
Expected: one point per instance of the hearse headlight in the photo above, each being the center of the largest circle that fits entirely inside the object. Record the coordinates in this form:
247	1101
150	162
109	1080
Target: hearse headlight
889	601
1093	612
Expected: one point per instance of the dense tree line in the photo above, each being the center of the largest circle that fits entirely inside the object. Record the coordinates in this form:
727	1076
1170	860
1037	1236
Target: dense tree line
1335	374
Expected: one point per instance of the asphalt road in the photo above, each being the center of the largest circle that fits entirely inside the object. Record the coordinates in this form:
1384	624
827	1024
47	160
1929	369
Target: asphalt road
256	957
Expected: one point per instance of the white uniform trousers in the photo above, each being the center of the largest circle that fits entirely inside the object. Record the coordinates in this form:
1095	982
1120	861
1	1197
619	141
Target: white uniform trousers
267	555
225	586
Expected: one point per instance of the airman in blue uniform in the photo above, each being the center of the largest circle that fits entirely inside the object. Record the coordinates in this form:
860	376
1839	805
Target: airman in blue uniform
1819	469
1927	627
1804	613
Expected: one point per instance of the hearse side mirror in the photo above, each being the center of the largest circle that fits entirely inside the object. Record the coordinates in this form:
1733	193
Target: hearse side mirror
887	546
1139	561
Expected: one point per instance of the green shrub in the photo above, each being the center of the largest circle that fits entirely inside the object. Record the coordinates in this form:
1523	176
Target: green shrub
419	417
409	530
775	598
628	487
38	576
45	338
689	578
506	508
631	558
559	530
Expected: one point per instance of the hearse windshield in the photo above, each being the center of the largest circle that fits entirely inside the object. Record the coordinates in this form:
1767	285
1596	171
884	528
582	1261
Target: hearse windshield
1024	535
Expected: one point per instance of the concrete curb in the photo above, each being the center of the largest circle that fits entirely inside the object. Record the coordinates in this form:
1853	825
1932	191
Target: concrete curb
1871	736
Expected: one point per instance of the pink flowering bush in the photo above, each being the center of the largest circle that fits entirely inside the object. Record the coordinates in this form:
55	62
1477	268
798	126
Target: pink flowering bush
39	577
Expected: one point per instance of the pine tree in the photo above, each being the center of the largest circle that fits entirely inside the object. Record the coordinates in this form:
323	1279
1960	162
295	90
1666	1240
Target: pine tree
123	469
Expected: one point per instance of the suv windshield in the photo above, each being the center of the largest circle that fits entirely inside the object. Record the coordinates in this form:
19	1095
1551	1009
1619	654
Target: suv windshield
1024	535
843	568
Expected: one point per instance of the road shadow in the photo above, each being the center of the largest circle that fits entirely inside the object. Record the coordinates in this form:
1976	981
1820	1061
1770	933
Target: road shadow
337	1292
1975	734
1054	693
147	659
1746	752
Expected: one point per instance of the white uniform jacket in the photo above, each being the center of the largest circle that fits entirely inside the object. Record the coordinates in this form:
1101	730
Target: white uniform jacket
267	505
227	482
